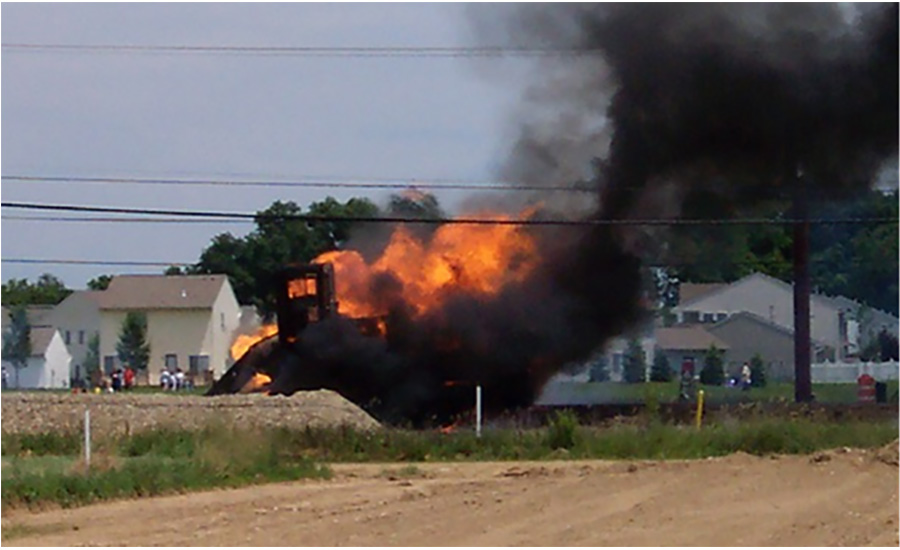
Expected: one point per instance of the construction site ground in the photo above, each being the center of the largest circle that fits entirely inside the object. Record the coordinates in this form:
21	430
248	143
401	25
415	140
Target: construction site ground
839	497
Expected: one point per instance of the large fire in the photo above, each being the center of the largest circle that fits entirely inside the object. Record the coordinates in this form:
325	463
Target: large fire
475	259
245	341
470	258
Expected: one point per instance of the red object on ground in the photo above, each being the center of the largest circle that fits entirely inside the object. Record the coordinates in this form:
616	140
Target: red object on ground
866	388
129	377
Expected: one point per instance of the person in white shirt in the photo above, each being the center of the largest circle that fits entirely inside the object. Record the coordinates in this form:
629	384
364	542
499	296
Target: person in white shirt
745	377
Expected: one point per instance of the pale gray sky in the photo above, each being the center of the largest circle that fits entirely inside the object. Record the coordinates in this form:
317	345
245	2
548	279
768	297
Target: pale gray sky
219	116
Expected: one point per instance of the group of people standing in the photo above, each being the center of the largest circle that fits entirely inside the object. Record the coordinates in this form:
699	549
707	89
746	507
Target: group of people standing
121	379
174	380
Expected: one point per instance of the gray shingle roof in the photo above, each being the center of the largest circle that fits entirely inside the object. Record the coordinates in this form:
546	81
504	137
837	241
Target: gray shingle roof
161	292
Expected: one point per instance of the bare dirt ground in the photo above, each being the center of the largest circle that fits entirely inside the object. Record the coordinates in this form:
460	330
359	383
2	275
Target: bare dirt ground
112	414
841	497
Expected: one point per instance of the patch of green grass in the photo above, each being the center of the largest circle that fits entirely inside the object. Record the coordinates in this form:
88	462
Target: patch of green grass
153	463
667	392
41	444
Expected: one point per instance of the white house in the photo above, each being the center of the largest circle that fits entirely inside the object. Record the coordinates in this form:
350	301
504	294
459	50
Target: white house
48	366
191	320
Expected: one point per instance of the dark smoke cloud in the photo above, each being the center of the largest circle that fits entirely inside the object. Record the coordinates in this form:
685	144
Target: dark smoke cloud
736	97
731	98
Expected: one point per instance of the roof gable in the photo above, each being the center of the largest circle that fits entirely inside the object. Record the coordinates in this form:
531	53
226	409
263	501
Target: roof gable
40	340
161	292
691	337
755	276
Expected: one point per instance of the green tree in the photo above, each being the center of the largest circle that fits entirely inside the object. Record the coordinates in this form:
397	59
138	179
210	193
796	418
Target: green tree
599	370
757	371
132	347
713	371
175	270
92	359
278	240
47	290
635	363
660	371
100	282
17	341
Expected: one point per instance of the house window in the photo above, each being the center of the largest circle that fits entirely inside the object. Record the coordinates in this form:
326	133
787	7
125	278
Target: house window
198	364
691	316
222	320
171	361
109	363
81	337
68	337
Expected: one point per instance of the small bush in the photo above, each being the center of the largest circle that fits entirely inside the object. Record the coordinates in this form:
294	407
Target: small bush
713	372
562	431
757	372
660	371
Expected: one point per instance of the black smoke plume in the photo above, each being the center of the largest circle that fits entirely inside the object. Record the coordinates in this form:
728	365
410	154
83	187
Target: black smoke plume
647	104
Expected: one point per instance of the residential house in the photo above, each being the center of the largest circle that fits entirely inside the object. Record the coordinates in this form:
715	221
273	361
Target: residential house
47	367
77	318
773	300
190	321
747	334
687	345
869	321
35	314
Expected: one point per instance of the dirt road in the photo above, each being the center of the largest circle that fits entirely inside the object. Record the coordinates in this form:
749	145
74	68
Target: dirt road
847	497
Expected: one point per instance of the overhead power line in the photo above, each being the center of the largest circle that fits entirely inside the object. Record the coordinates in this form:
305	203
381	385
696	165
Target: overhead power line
304	51
47	261
370	184
311	218
101	219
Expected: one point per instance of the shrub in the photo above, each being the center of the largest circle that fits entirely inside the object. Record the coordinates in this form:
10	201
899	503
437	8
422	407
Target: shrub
661	371
713	373
562	432
757	372
635	367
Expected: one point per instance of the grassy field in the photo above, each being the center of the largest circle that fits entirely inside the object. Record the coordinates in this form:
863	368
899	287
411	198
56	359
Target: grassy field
667	392
46	468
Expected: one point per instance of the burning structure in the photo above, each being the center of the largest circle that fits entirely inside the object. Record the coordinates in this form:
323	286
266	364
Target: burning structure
408	335
674	108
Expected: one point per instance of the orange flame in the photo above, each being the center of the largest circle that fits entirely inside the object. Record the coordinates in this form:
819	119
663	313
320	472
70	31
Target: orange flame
259	381
470	258
244	341
299	288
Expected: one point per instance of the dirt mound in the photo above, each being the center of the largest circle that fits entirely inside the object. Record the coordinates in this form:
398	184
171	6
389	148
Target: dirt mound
118	413
889	453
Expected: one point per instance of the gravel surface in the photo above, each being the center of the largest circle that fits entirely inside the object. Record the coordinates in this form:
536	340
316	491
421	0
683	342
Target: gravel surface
39	412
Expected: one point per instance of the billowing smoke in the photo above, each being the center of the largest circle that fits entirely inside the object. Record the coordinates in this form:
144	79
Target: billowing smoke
665	100
736	98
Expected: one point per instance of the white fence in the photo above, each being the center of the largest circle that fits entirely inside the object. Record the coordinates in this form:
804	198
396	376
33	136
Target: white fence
842	373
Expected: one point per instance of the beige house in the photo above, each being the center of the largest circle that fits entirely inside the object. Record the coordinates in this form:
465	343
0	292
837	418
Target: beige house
191	320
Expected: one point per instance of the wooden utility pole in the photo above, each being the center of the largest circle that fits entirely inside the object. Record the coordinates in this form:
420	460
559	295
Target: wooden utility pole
802	375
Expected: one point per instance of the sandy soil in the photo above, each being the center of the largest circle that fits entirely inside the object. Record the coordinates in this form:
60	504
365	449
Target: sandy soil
112	414
842	497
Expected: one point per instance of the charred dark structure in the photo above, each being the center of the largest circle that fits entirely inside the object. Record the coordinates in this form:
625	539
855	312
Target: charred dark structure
381	364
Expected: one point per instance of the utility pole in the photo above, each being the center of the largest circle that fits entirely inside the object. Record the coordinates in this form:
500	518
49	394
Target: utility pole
802	375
